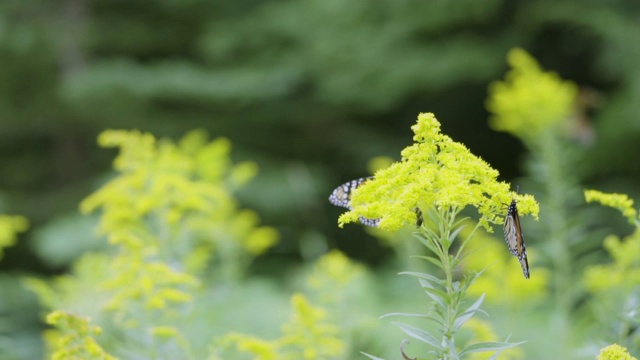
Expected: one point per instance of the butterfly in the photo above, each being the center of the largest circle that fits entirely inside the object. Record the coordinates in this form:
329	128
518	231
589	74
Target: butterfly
341	196
513	237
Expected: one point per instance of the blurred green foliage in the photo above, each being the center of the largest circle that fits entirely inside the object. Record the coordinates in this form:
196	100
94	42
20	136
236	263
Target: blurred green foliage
309	92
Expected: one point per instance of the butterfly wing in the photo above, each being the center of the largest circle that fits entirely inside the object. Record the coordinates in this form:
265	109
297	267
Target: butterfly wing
513	237
341	196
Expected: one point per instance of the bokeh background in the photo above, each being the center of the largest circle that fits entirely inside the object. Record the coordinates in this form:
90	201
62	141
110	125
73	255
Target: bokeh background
309	90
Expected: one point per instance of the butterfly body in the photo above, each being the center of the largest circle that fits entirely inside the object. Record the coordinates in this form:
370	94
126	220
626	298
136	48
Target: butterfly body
513	237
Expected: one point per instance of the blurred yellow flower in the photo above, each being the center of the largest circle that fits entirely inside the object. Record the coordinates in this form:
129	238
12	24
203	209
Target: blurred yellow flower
529	100
307	335
73	338
623	271
261	349
335	268
622	202
10	226
378	163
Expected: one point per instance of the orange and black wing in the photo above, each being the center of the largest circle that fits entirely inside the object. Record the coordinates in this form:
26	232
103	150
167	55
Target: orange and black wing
513	237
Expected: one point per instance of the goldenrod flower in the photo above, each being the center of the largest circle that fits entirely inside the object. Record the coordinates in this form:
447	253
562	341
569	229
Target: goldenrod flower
435	172
74	338
530	100
622	202
615	352
622	272
10	226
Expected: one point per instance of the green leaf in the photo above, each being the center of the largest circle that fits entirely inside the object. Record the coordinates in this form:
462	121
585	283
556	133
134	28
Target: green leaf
467	314
424	276
405	314
418	334
439	296
460	221
455	233
452	352
469	279
431	259
423	316
489	346
371	356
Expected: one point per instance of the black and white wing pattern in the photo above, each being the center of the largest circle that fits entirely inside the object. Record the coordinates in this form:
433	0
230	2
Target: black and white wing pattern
513	237
341	196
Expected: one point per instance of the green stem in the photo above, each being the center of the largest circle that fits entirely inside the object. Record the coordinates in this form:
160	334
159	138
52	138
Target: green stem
447	218
557	187
557	222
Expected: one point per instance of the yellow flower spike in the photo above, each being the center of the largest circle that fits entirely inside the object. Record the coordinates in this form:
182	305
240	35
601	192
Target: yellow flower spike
74	338
530	100
10	226
260	240
308	335
622	272
259	348
379	162
164	331
243	172
621	202
434	172
615	352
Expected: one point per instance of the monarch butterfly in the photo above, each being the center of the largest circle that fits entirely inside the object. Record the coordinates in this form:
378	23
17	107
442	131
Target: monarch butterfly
513	237
341	196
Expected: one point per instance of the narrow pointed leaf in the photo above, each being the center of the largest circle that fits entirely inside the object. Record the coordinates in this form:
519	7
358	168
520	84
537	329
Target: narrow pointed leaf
371	356
467	314
495	355
453	235
418	334
431	259
404	314
436	295
422	316
452	352
424	276
489	346
460	221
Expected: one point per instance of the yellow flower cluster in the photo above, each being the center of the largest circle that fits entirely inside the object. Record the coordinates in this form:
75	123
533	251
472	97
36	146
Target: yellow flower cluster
435	172
182	191
623	272
530	100
307	335
332	275
615	352
621	202
157	285
312	332
10	226
73	338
